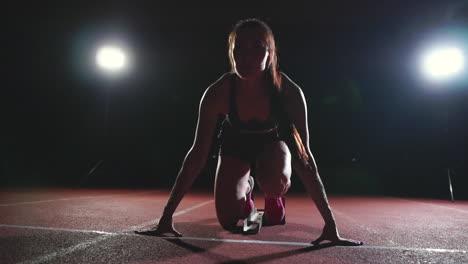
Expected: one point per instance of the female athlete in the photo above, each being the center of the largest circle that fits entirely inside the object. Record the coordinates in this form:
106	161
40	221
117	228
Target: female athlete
264	129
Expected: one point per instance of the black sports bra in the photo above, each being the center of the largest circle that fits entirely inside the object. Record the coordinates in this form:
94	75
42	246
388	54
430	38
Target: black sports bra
250	125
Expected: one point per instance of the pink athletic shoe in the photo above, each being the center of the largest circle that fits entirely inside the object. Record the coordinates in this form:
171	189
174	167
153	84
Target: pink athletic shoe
249	204
275	211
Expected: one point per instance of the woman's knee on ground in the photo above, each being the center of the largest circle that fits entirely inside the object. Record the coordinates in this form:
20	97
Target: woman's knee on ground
228	209
228	223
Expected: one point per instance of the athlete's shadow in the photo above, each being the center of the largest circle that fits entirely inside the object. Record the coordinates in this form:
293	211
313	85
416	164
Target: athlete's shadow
258	259
210	228
203	228
278	255
196	249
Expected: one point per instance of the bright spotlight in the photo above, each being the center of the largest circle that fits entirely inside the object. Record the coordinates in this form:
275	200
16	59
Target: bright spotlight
110	58
442	63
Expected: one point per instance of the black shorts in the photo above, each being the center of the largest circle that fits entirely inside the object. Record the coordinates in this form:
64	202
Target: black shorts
246	146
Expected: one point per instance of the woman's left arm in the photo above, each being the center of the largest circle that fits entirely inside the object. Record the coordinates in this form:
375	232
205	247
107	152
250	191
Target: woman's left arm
296	107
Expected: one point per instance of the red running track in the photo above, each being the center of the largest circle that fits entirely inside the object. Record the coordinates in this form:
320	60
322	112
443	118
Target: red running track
95	226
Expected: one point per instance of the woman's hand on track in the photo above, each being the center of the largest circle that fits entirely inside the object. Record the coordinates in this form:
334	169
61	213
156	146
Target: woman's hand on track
330	233
165	226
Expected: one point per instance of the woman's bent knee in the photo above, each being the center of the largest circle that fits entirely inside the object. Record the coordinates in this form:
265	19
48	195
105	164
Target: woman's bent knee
275	187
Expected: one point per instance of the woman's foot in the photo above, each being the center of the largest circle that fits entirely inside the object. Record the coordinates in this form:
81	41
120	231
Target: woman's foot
274	211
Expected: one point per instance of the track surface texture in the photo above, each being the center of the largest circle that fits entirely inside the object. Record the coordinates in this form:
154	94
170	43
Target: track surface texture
96	226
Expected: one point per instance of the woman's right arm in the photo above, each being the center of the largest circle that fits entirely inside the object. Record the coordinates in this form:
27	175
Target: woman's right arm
195	160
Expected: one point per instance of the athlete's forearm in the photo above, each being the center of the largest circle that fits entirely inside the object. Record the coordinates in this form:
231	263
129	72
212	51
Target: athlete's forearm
321	201
314	186
191	168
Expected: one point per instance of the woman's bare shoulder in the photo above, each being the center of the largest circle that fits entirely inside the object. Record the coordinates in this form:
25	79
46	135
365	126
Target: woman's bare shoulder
221	83
215	96
290	89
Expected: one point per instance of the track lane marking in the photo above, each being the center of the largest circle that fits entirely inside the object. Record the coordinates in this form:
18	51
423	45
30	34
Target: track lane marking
58	229
286	243
153	222
102	232
224	240
71	198
90	242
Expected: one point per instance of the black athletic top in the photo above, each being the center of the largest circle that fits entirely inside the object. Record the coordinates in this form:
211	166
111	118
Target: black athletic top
252	125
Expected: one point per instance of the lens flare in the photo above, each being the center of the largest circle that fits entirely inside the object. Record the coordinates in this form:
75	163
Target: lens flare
442	63
110	58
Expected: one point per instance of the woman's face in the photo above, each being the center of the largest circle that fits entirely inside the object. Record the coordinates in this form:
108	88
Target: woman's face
250	53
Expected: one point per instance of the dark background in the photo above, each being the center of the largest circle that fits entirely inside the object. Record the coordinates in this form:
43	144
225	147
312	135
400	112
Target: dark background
376	126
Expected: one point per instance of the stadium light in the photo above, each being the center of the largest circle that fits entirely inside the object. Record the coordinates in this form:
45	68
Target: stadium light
111	58
442	63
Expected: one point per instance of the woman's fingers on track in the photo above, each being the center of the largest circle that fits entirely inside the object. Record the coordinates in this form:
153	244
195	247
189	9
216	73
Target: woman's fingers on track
158	232
349	242
176	233
318	240
339	242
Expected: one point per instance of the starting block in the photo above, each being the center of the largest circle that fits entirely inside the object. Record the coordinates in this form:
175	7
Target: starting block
253	223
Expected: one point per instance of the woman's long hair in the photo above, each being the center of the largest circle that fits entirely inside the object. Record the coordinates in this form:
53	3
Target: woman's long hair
287	129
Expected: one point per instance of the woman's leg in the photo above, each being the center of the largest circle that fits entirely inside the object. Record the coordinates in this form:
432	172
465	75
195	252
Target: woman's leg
273	173
231	186
273	169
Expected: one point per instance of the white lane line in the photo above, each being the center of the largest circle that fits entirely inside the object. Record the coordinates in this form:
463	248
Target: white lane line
286	243
223	240
58	229
90	242
153	222
102	232
434	205
65	251
72	198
